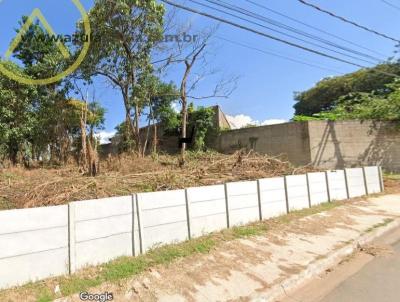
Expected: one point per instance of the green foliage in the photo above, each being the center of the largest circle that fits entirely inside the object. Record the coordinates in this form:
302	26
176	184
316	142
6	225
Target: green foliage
383	105
125	141
158	97
203	120
326	93
40	56
18	116
327	115
164	113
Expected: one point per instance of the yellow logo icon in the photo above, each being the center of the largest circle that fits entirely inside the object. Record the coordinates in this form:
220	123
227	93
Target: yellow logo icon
37	14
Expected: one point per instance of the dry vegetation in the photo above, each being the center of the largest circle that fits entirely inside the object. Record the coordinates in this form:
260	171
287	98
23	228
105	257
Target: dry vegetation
124	175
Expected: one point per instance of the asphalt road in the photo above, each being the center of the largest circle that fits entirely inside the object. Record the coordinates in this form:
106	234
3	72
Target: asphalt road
377	281
361	278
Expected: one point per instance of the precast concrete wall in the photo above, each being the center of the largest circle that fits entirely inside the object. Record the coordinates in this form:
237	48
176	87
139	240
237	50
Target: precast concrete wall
356	182
243	202
337	185
162	218
272	194
51	241
318	188
33	244
297	192
373	180
207	209
100	230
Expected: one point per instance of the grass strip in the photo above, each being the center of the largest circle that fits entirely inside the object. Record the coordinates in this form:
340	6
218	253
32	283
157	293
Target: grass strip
127	267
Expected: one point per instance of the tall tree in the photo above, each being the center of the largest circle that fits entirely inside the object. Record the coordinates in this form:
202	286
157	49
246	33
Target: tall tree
41	58
325	93
125	32
18	116
196	68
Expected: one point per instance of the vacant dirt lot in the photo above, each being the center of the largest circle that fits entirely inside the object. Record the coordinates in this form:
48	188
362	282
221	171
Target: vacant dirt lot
124	175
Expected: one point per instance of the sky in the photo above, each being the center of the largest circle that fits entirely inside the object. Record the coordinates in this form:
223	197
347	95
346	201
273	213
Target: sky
266	86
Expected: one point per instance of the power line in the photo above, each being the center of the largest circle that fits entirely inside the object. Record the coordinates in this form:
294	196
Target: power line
391	4
314	28
260	33
243	27
280	56
348	21
292	29
283	33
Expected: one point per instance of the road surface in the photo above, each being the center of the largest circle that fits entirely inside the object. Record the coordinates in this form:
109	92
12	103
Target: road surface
362	278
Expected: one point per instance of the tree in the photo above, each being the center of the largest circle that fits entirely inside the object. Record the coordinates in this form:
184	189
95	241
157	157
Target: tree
161	111
41	58
191	55
323	96
382	105
89	117
18	116
125	33
201	119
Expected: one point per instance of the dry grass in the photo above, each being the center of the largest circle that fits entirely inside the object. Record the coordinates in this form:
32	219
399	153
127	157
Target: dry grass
20	188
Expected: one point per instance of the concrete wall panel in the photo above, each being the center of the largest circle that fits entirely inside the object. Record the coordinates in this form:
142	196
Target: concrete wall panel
337	185
103	230
297	192
163	218
318	188
242	202
355	182
34	244
372	179
273	197
207	209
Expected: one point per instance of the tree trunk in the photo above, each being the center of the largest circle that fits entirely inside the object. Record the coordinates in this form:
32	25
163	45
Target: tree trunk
183	131
147	134
130	126
137	131
92	155
13	154
83	163
155	140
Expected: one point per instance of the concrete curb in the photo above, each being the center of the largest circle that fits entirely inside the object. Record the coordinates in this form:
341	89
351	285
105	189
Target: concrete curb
314	269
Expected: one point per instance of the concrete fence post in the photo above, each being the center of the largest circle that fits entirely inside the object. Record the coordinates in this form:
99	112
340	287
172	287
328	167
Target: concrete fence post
308	190
188	213
286	195
134	243
382	184
140	227
365	181
71	239
346	180
328	190
227	206
259	199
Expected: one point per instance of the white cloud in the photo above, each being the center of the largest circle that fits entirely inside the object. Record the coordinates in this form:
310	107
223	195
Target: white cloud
176	107
241	120
105	136
273	122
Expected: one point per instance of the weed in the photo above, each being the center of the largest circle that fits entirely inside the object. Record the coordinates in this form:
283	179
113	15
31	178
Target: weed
379	225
